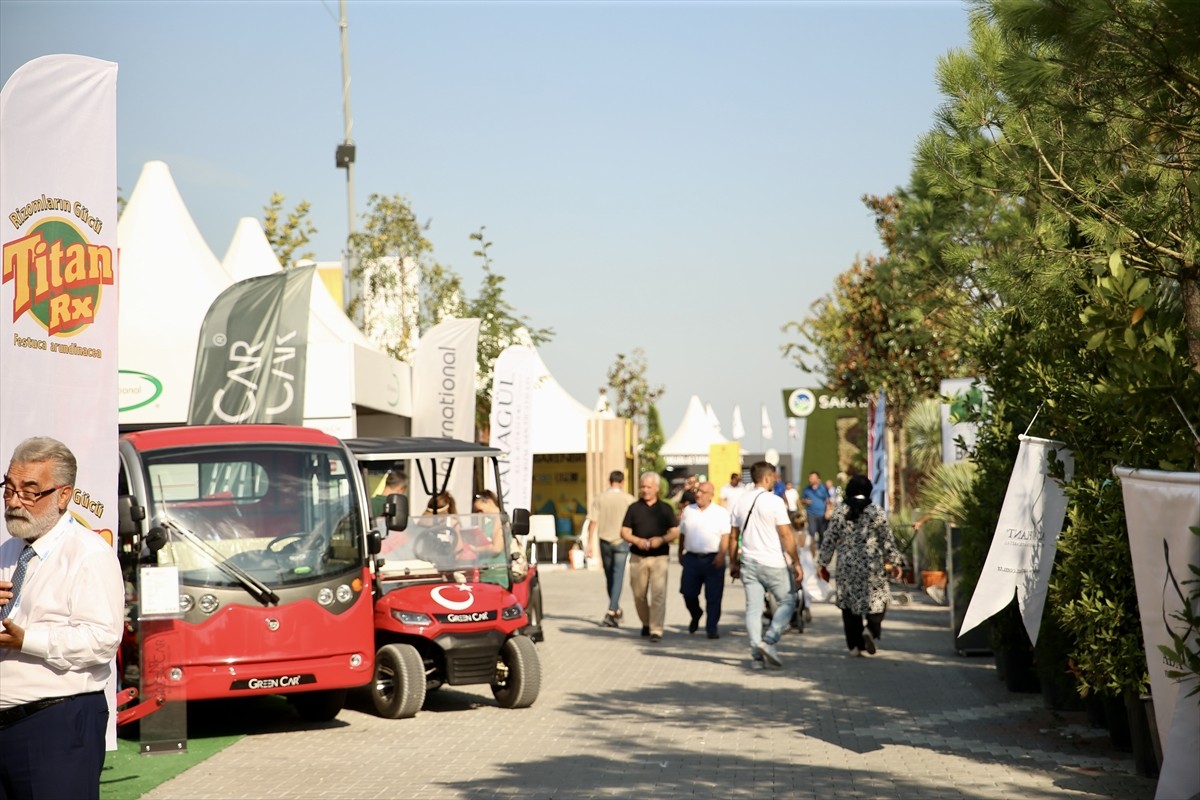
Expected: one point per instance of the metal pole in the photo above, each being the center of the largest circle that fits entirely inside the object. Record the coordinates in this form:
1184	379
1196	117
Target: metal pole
352	284
349	121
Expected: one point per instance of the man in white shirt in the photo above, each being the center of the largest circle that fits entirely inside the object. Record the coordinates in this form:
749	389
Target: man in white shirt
760	538
732	491
705	539
62	603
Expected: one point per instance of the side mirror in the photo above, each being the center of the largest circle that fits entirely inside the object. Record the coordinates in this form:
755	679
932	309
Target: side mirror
374	541
156	538
520	522
395	510
129	514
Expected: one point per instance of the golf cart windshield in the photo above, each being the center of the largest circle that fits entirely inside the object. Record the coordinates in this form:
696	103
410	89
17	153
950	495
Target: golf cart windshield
436	546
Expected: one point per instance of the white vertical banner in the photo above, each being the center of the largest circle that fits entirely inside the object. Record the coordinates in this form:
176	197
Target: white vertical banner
444	402
514	377
1026	538
58	299
766	423
737	430
1160	510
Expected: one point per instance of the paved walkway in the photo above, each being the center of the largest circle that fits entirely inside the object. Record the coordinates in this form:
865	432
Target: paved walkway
619	717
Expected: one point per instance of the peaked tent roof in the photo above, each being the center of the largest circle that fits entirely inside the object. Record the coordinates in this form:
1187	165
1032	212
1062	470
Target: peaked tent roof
169	277
559	420
689	443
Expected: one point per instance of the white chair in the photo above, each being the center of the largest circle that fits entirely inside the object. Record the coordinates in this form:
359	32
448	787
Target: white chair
541	531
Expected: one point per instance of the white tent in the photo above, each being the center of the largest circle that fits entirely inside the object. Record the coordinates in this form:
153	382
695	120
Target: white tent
560	421
169	277
352	387
689	443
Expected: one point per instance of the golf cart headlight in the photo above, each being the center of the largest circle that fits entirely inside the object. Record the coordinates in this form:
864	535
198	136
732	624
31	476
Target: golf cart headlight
209	603
344	593
512	612
325	596
411	617
185	603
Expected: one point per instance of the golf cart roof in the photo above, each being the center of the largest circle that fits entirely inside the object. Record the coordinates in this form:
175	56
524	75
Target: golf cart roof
375	448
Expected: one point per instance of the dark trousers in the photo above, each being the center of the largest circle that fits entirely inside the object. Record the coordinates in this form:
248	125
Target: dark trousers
853	623
698	571
56	753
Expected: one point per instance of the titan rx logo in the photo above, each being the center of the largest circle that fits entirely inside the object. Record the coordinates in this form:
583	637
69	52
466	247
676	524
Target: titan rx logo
57	276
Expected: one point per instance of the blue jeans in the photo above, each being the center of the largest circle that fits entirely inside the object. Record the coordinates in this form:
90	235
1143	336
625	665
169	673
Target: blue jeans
758	580
613	557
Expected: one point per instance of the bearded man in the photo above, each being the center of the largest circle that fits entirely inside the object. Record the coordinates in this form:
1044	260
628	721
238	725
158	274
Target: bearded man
62	604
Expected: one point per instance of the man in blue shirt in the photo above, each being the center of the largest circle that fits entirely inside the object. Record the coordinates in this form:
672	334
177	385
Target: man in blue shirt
815	498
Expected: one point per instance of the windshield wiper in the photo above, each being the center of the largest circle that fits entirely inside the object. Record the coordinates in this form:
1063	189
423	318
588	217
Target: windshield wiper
256	588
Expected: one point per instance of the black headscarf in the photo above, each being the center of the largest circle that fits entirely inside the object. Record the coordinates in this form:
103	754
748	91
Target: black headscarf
858	496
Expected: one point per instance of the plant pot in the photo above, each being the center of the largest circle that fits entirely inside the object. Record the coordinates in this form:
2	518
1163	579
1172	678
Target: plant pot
1118	723
933	577
1058	688
1019	674
1145	760
1093	704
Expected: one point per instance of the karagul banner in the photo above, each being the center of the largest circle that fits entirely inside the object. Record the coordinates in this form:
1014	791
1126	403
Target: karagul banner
58	306
1160	510
444	400
511	424
251	354
1026	538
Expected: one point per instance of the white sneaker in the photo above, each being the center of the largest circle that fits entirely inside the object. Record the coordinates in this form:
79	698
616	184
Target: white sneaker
868	642
757	663
854	652
770	654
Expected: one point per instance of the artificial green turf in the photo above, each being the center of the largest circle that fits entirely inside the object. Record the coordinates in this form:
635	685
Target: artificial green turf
128	775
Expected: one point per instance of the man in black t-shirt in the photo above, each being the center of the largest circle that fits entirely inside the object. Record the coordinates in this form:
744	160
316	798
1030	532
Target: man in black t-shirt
649	527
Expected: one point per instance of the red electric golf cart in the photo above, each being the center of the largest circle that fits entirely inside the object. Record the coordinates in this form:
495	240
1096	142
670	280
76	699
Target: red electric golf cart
456	600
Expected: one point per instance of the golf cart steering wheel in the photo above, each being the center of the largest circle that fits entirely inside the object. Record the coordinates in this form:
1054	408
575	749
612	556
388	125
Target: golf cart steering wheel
436	545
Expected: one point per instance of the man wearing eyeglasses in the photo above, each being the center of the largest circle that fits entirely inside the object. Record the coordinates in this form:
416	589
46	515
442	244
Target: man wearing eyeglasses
704	529
61	617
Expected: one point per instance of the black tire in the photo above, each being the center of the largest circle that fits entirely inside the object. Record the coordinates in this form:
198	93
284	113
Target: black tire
522	674
398	687
321	706
534	629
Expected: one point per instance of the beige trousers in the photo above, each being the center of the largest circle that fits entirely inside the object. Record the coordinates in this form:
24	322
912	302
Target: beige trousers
648	576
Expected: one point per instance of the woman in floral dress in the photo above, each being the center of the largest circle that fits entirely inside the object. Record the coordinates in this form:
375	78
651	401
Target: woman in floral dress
860	537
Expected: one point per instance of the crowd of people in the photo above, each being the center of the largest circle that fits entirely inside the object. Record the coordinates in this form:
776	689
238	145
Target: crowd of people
767	535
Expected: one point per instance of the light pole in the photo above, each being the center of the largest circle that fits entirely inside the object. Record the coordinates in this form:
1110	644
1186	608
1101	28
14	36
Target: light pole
344	158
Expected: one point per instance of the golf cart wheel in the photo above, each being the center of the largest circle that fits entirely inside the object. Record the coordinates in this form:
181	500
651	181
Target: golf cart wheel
321	706
518	674
398	690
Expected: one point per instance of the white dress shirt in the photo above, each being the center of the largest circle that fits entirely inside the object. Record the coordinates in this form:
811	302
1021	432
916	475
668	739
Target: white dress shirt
702	529
72	608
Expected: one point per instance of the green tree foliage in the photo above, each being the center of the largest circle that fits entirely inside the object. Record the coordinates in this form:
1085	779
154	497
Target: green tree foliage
635	395
391	259
1078	121
288	233
499	326
652	446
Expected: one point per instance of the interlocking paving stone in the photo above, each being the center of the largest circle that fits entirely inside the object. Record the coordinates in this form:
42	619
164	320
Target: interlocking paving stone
620	717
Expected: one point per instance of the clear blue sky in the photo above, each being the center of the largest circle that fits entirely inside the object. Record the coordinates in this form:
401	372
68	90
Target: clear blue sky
683	177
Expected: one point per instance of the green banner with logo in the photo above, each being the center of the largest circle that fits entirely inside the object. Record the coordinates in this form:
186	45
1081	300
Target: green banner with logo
835	439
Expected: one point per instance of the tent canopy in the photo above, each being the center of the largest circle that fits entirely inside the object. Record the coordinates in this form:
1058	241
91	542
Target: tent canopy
169	277
690	441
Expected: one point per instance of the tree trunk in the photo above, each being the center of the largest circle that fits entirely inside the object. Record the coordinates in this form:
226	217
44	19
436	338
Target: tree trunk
1190	289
